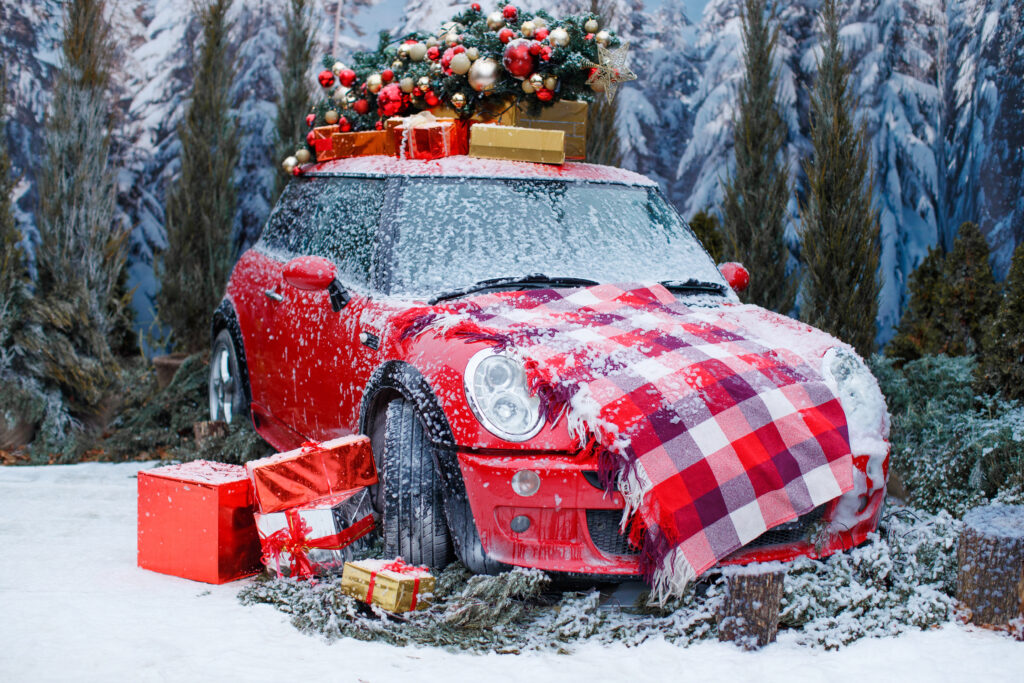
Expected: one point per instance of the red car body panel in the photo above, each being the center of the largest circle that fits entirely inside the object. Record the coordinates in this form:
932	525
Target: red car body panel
309	366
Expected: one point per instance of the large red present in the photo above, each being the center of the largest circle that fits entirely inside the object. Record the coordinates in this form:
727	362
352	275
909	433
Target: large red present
425	137
196	521
317	536
314	471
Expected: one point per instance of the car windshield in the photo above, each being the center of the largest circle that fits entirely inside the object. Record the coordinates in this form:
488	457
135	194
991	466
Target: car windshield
451	233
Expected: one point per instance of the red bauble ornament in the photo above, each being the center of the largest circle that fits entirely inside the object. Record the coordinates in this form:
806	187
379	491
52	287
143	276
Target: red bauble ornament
346	77
310	120
344	125
411	41
326	78
506	34
433	53
387	75
517	59
297	170
510	12
390	100
475	7
540	33
535	48
310	137
590	36
545	95
361	106
459	49
431	99
545	53
379	125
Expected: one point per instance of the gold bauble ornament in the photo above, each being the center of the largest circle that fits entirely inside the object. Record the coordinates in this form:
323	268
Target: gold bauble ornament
445	27
407	84
458	100
602	38
403	51
527	86
483	75
417	52
473	54
495	20
540	22
460	64
436	68
451	38
550	82
302	155
432	42
424	83
331	117
337	68
289	164
374	83
536	81
396	65
340	95
527	28
559	37
591	26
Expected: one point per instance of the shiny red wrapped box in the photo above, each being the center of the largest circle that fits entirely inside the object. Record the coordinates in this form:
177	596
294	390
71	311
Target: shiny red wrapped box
423	137
196	521
314	471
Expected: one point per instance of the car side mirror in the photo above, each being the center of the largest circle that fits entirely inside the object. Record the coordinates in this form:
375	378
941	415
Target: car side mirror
735	274
315	273
311	273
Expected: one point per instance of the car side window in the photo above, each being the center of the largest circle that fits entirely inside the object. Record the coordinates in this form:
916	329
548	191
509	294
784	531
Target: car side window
343	219
335	218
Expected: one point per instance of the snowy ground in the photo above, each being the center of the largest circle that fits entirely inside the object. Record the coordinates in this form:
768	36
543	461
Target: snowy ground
73	606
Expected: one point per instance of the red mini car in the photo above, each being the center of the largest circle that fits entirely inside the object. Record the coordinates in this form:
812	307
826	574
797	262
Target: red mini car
312	339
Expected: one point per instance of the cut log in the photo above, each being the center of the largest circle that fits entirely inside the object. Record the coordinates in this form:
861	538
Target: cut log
166	367
208	430
991	560
749	615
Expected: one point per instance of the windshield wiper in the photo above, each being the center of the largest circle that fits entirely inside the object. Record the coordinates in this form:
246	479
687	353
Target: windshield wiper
535	281
693	285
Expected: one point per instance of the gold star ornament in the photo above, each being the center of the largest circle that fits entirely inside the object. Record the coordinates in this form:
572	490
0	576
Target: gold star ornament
610	70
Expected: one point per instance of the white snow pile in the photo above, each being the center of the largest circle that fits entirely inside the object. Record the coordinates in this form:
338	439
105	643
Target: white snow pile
901	580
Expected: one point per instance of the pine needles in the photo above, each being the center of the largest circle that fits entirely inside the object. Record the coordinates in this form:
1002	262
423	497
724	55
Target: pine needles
296	97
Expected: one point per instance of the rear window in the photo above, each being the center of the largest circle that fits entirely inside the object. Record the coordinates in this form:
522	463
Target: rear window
336	218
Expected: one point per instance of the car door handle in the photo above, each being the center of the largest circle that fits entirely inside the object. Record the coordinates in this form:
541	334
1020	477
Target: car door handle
271	294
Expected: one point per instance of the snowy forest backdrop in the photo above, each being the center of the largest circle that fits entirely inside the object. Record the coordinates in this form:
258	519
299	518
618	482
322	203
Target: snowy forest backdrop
940	82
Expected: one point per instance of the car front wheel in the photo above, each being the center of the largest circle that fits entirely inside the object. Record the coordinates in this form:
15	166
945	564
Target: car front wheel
227	395
409	497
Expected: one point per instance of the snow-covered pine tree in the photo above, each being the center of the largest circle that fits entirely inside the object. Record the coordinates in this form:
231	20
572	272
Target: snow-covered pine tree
840	224
74	308
970	296
295	99
918	333
202	201
754	207
1001	365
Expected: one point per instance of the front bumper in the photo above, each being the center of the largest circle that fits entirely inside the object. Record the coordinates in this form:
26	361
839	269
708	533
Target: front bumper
573	524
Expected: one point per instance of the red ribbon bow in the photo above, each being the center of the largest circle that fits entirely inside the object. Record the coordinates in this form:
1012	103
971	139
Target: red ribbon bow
294	540
399	567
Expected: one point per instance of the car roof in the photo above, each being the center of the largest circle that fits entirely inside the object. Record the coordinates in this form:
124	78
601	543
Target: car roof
473	167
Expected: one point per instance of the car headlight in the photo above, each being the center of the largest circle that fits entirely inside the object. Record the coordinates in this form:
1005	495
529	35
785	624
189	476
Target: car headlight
862	401
500	398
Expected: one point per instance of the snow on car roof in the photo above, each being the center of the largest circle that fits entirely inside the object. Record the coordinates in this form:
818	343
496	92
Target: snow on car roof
473	167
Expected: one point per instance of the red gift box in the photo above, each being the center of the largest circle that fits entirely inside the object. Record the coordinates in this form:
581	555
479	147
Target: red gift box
317	536
196	521
314	471
424	137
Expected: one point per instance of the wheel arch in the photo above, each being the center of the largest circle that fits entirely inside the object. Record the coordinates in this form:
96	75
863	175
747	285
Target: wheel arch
225	318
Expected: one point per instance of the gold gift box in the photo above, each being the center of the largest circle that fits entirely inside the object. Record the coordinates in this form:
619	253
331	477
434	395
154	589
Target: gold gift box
396	591
568	116
499	110
517	144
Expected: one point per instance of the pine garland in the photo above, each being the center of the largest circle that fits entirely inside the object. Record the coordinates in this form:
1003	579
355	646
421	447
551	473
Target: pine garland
424	84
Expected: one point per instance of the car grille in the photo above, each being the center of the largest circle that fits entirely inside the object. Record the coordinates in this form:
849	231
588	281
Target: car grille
603	526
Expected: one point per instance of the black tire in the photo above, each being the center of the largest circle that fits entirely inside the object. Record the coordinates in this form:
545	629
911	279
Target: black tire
226	388
409	498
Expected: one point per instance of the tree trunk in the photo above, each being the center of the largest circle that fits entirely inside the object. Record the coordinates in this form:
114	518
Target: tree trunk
749	616
990	583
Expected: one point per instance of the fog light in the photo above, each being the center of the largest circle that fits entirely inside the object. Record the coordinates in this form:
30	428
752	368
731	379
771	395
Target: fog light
519	524
525	482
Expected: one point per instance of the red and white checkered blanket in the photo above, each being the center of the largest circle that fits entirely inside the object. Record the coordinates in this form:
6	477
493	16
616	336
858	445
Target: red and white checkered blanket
711	436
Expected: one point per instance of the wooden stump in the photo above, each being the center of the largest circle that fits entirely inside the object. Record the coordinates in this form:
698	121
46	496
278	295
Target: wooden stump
208	430
166	367
749	616
990	582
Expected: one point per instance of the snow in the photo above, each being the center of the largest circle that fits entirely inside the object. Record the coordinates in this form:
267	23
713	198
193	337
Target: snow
76	607
1005	521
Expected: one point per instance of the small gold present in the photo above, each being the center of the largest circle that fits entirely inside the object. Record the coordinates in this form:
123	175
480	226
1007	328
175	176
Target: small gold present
517	144
392	585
